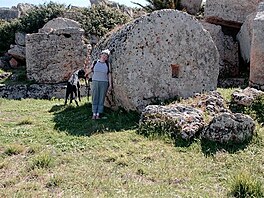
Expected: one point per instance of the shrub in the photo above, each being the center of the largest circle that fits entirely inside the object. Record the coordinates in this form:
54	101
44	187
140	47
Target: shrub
99	20
42	161
38	17
7	34
14	149
244	186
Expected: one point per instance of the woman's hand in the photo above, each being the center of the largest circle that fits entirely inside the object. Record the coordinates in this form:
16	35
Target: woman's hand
110	88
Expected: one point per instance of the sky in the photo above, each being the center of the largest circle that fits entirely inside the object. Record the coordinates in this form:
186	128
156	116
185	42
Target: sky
81	3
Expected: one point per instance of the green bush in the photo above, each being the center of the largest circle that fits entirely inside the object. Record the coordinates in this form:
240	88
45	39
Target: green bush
99	20
39	16
7	34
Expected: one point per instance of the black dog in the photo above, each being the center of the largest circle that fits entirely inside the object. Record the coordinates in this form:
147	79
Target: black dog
73	86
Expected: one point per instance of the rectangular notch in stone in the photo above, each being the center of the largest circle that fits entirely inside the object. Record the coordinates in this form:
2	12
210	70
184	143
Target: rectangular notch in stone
175	70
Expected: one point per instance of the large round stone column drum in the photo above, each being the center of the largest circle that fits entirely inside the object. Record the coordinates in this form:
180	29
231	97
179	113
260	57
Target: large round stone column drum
162	55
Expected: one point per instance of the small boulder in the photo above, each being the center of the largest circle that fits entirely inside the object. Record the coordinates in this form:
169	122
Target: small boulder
176	120
228	128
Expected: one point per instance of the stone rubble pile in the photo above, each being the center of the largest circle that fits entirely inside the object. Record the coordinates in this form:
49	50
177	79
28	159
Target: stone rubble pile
187	122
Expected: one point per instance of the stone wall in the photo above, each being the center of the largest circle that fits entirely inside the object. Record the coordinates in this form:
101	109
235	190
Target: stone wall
53	54
163	55
37	91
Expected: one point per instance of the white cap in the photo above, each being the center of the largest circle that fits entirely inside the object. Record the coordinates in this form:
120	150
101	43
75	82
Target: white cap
106	51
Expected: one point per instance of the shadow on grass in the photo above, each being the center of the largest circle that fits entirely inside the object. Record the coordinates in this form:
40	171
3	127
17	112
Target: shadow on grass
76	120
210	148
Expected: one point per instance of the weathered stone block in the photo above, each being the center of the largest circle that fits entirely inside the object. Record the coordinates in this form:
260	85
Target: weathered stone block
229	12
244	37
228	50
257	50
52	57
175	120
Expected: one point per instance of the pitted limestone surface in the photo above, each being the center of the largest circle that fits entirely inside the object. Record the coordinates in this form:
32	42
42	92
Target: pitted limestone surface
162	55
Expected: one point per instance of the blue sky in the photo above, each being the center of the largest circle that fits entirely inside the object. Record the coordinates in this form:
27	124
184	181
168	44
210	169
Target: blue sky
83	3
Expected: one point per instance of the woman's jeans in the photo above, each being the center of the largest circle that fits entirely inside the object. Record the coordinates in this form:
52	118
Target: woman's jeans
99	89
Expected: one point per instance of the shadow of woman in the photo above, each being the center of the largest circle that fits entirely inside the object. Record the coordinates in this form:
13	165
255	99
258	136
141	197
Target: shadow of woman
76	120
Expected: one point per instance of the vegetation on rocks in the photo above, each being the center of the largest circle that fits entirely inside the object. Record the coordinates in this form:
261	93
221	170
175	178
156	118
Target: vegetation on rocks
97	20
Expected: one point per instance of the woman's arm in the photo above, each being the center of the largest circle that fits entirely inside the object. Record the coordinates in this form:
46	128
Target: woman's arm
110	87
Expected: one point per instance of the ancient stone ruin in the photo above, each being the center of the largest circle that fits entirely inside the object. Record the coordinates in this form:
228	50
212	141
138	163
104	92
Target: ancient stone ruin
163	55
55	51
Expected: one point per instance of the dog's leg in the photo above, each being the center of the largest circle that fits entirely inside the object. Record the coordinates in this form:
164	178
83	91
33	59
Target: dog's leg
78	91
75	96
67	93
71	96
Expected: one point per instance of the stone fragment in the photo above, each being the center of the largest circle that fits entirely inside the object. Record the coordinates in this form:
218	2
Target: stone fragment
192	6
20	38
18	52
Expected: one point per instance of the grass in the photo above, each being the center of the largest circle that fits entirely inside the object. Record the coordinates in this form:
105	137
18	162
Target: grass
244	186
49	150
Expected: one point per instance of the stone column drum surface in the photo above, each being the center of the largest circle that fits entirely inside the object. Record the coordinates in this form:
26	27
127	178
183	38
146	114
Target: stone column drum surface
162	55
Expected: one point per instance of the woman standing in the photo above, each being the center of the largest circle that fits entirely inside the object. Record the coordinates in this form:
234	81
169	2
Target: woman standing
101	82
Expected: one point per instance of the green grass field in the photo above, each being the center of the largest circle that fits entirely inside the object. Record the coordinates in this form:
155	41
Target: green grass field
48	150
